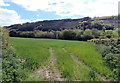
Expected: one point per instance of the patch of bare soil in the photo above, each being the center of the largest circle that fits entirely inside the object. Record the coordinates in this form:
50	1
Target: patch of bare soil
51	71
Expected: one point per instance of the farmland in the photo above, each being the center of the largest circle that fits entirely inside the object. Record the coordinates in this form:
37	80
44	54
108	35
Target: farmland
51	59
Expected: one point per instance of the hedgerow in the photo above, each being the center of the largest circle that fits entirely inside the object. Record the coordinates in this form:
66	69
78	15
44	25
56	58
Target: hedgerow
11	68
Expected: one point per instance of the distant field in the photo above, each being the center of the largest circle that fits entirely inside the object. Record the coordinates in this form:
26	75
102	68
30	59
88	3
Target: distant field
74	60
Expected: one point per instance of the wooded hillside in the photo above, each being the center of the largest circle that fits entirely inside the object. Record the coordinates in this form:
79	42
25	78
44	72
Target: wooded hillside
62	24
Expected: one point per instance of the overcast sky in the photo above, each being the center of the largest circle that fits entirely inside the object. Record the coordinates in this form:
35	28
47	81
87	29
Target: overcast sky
20	11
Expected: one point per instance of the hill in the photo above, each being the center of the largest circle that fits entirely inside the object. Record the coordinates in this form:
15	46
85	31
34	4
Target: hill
62	24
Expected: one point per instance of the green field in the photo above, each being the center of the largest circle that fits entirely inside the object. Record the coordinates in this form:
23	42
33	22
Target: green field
36	53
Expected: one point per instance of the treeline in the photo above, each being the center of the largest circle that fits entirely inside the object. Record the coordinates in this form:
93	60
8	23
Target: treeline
68	34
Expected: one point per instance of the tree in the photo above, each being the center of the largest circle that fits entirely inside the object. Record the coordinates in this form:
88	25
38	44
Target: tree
97	24
88	34
37	33
69	34
28	34
115	33
79	35
84	25
108	33
14	33
38	27
96	33
118	32
108	26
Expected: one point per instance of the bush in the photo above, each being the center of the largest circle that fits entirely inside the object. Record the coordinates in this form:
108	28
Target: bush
106	42
11	68
92	75
111	56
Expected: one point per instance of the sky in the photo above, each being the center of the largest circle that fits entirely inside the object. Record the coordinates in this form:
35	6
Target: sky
21	11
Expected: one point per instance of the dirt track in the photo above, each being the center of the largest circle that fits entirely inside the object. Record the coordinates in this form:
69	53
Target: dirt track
51	71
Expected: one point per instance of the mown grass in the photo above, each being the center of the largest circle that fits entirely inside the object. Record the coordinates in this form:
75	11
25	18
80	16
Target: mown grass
37	52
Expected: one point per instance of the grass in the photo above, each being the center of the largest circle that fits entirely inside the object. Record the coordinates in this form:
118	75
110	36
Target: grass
31	50
70	68
36	53
35	77
87	53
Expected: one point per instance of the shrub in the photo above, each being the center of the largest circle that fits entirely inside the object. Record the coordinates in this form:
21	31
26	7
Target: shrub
11	68
111	55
